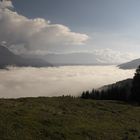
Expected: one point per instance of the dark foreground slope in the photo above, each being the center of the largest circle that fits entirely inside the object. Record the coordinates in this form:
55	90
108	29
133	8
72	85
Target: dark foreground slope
66	118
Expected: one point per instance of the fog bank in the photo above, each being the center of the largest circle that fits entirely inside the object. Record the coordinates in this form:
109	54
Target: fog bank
57	81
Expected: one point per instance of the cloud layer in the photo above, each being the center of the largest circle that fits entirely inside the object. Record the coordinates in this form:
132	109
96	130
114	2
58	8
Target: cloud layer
32	82
34	34
5	4
110	56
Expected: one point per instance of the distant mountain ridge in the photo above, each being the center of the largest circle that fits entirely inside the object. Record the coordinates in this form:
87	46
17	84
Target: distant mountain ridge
130	65
8	58
74	59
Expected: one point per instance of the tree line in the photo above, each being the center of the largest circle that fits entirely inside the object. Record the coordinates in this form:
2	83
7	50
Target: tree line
122	93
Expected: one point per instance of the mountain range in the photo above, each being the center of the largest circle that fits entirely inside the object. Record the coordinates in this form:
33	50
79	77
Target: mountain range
75	58
8	58
130	65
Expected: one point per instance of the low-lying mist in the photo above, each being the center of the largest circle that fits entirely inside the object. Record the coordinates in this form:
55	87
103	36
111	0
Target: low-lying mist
57	81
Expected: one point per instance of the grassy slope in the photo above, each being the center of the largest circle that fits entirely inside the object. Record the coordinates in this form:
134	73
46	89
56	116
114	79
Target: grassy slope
68	118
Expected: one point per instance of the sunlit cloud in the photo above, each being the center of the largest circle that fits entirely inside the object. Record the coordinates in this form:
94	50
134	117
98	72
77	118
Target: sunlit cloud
34	34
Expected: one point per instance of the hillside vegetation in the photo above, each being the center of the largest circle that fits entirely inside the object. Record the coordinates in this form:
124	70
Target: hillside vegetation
126	90
67	118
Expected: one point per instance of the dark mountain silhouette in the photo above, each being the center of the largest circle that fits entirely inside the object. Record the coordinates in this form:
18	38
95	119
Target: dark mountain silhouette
8	58
130	65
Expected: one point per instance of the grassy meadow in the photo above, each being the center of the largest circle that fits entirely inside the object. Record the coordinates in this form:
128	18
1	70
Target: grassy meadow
67	118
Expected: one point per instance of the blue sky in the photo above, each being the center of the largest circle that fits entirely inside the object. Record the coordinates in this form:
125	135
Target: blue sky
110	24
85	15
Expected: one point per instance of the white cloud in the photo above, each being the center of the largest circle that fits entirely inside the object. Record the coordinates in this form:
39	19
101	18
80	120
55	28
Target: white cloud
70	80
98	56
6	4
110	56
34	34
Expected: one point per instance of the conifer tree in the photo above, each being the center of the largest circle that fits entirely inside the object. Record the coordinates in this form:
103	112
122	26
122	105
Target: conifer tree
135	95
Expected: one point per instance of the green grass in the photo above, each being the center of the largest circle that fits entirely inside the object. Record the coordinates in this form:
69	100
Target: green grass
66	118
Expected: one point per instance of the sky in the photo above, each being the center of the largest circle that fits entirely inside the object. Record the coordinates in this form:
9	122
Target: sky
59	26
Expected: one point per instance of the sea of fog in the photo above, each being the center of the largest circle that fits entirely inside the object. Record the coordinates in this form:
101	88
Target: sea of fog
57	81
